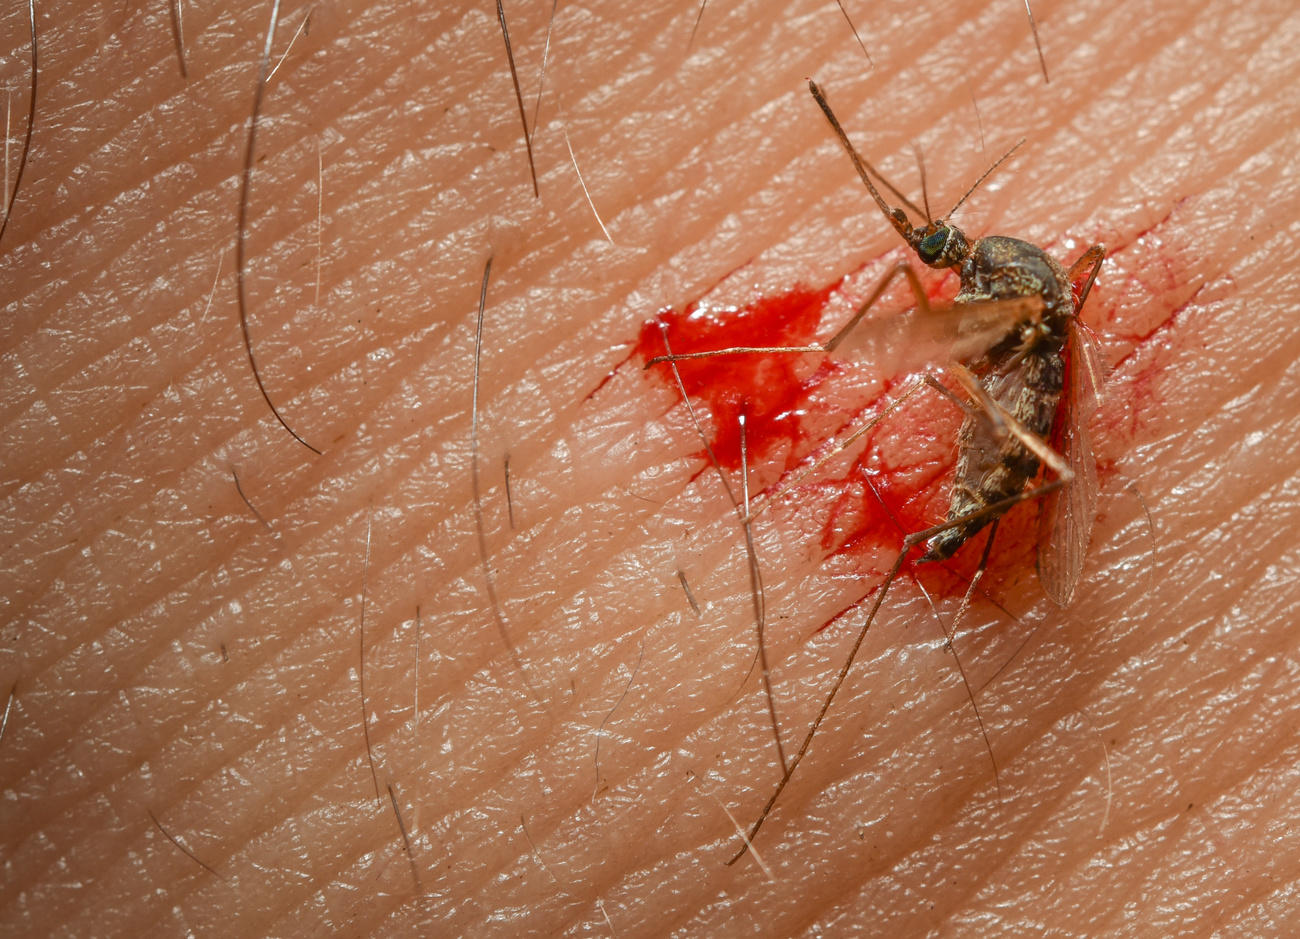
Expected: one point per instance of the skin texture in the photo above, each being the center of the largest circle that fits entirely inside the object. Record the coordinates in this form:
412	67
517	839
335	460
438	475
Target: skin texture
186	663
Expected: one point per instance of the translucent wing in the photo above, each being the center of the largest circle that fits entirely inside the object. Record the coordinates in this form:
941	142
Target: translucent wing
1065	523
960	332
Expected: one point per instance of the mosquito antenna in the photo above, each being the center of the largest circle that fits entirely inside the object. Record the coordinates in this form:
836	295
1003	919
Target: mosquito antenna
894	190
988	172
925	192
865	169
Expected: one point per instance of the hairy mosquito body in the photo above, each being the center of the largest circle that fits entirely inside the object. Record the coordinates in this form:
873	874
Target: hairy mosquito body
1024	374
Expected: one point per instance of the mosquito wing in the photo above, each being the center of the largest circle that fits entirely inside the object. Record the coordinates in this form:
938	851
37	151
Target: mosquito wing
1065	522
959	332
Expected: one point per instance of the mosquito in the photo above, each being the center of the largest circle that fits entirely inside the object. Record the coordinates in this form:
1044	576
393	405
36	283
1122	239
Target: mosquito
1032	372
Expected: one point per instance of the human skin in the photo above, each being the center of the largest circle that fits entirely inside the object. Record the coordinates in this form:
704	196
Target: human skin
185	664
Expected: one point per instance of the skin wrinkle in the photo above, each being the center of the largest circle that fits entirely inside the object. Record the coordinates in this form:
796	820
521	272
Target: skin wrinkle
132	561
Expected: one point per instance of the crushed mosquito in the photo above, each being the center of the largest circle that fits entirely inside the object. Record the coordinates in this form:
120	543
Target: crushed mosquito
1032	374
1019	386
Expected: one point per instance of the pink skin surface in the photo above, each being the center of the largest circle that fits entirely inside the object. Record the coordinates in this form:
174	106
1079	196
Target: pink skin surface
178	658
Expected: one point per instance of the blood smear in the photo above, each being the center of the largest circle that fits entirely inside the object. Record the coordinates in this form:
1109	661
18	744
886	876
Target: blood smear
793	403
772	391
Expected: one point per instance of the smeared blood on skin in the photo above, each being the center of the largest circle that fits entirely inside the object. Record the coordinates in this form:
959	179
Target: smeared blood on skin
899	479
773	391
864	510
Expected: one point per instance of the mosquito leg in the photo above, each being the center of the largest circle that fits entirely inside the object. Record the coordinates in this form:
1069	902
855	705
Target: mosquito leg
996	510
991	409
966	407
987	408
950	635
735	350
903	268
1090	258
821	715
951	632
974	581
967	329
1031	441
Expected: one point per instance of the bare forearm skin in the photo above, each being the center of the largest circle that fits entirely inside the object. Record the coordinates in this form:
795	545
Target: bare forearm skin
181	655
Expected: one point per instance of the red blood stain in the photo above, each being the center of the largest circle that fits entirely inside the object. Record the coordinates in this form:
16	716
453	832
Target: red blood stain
900	483
772	391
899	480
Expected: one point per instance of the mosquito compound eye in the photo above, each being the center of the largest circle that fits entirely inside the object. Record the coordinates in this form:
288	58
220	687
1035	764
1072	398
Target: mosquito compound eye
931	248
944	247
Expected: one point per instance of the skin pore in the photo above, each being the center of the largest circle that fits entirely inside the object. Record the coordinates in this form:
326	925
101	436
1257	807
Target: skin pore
185	658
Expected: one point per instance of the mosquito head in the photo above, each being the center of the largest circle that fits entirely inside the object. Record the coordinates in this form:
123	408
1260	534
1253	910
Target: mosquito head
939	244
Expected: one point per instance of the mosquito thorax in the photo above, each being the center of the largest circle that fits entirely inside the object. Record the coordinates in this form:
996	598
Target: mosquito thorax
940	245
